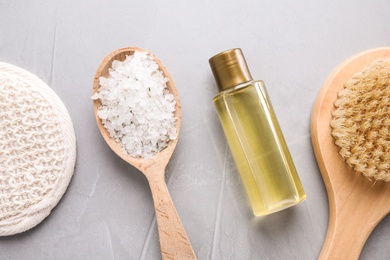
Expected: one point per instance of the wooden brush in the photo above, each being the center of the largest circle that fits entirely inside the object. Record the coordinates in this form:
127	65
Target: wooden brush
350	141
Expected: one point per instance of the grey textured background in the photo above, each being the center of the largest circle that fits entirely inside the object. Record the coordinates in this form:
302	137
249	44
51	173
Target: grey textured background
107	212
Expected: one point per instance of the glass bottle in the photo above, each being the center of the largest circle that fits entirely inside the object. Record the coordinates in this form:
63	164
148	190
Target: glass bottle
254	136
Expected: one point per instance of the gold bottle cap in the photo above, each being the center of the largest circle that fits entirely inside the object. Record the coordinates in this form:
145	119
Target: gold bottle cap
229	69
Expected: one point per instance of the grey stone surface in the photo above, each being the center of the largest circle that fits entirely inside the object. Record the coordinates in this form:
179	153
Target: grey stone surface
107	211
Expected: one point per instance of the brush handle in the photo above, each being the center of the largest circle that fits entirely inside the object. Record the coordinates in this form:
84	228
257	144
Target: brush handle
352	219
174	242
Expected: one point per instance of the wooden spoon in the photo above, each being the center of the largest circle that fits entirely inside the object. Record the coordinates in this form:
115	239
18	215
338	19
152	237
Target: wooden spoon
356	204
174	242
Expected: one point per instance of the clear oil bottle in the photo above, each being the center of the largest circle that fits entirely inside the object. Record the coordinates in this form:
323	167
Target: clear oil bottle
254	136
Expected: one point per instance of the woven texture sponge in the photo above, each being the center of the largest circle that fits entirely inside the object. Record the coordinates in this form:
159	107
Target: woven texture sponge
361	121
37	150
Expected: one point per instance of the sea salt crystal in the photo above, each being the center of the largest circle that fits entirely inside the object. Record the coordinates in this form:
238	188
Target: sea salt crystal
137	108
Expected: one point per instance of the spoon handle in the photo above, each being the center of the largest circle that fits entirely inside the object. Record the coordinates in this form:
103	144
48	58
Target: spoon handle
174	242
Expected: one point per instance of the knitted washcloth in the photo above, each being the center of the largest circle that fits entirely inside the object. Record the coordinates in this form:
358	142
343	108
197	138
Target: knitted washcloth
361	121
37	150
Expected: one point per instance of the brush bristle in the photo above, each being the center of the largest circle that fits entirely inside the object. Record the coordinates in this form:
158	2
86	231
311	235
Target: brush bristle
361	121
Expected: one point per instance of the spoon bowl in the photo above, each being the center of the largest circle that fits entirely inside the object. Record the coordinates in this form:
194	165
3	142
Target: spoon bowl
174	242
162	158
356	204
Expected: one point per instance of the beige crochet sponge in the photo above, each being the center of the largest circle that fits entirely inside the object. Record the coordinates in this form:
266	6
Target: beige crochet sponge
37	150
361	121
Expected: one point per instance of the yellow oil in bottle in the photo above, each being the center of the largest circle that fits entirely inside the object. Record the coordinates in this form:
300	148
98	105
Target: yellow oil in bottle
254	136
258	147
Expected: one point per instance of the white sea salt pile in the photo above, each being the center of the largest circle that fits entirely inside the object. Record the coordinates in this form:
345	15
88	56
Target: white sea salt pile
137	109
